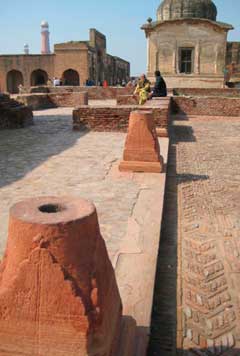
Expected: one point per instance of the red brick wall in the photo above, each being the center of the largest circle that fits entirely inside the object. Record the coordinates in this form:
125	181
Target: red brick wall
127	100
207	92
113	118
69	99
52	100
13	115
207	106
95	93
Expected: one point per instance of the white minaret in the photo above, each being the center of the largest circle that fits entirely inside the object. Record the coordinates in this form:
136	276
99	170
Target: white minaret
26	49
45	49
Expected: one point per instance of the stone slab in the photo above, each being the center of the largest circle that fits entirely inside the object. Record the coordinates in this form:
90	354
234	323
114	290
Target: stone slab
137	166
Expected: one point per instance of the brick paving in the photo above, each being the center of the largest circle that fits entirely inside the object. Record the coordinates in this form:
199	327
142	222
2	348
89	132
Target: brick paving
208	174
204	185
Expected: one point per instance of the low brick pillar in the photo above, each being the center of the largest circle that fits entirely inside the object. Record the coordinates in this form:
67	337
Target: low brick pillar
142	150
58	293
81	98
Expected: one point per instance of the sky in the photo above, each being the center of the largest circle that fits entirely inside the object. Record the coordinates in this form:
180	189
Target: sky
119	20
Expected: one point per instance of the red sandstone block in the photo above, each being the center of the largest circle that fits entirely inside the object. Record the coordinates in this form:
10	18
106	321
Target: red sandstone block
58	293
142	150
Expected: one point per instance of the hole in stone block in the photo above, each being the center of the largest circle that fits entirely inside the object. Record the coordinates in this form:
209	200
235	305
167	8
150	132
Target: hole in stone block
51	208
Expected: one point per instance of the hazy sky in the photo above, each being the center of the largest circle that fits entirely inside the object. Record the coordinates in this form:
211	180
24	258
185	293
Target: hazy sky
119	20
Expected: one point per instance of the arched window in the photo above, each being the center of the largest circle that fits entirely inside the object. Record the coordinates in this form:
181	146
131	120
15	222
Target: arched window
39	77
71	77
14	79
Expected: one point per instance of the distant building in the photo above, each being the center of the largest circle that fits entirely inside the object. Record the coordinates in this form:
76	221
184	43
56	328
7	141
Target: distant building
188	45
73	62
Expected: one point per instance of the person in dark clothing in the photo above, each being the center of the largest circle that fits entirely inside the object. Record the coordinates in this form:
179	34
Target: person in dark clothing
160	88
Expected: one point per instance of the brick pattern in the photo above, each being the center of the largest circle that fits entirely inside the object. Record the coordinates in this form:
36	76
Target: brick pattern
53	100
208	183
13	114
94	93
199	92
127	100
208	106
113	118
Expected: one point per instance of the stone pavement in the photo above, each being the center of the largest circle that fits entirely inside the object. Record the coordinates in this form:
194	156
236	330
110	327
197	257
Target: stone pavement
51	159
200	235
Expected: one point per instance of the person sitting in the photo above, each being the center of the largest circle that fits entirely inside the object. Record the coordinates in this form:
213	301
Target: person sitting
160	88
143	89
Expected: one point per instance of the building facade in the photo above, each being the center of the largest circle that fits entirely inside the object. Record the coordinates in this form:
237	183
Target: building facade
188	45
73	62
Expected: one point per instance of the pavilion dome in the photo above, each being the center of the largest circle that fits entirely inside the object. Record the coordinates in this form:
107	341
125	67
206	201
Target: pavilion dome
181	9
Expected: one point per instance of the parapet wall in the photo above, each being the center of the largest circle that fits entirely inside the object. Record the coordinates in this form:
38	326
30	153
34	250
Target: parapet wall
94	93
206	106
199	92
114	118
52	100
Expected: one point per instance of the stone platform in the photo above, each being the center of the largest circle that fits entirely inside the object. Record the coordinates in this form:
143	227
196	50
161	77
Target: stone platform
49	158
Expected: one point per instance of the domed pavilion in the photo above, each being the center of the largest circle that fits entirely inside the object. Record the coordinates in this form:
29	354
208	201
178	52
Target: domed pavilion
187	44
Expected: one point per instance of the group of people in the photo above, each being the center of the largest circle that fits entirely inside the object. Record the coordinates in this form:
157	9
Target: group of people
144	90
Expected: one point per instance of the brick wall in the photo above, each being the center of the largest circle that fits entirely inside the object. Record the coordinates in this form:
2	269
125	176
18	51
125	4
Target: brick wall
14	115
94	93
207	92
113	118
52	100
206	106
127	100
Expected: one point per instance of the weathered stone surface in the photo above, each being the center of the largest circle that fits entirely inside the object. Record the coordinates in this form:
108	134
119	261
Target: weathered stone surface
58	290
13	114
142	150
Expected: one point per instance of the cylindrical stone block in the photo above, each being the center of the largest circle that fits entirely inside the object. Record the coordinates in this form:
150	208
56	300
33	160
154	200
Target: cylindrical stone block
142	150
58	292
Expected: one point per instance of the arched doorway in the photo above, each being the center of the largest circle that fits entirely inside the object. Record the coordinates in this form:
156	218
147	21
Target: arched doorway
14	79
71	77
39	77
